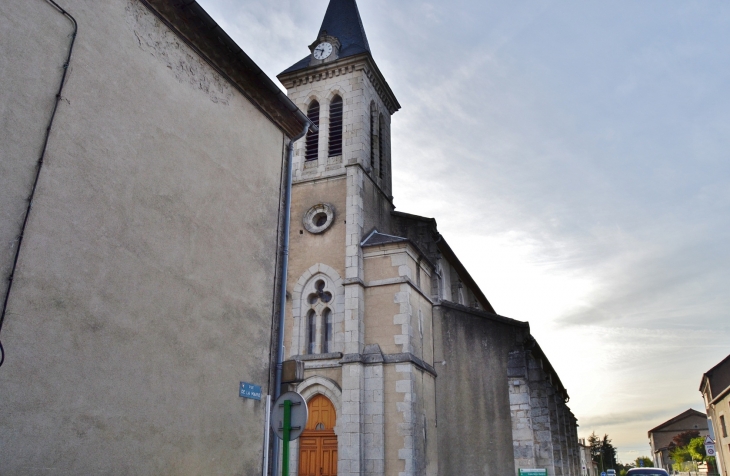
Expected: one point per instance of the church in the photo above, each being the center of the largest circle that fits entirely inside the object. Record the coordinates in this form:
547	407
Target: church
408	369
144	162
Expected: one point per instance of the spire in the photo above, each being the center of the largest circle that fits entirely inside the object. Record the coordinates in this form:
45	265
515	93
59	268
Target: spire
343	21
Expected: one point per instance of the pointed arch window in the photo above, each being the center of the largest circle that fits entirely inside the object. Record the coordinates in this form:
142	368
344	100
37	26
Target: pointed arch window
373	135
381	146
312	152
335	142
320	321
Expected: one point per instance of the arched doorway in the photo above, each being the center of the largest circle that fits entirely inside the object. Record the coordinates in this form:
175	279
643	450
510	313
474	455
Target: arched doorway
318	443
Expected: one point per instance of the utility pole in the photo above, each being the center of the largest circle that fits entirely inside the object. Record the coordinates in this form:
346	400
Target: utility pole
603	468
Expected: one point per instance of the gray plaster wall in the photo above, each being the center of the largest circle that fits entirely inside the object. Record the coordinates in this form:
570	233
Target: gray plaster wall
474	423
30	72
146	280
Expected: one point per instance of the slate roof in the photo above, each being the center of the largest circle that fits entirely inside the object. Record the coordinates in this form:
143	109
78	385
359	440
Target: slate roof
377	238
342	21
719	379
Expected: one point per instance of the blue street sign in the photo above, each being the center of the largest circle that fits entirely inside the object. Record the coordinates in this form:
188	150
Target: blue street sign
641	463
249	390
603	474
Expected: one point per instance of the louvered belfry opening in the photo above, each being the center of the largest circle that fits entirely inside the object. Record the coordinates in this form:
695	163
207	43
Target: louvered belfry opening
335	143
373	145
313	137
381	146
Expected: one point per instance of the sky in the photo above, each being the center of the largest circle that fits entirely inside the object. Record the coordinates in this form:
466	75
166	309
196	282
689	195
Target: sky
575	156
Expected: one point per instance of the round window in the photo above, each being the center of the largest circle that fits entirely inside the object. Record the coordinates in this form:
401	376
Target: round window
319	218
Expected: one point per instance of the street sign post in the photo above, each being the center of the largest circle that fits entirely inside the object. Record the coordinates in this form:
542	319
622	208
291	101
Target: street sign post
288	420
533	472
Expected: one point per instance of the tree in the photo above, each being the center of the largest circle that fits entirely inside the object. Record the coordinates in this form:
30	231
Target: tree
603	452
685	437
696	448
692	451
648	463
680	454
609	453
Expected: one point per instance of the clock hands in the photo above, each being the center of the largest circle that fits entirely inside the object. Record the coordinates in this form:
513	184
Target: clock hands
322	50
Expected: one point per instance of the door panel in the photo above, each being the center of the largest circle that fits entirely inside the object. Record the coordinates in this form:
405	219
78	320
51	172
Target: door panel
329	457
318	443
308	449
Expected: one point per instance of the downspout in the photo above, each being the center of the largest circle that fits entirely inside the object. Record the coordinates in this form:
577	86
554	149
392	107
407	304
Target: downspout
284	270
38	170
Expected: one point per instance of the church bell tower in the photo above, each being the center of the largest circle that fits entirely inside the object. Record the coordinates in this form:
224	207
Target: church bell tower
342	323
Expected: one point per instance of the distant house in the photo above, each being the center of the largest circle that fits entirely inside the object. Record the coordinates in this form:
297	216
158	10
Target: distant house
588	466
715	388
661	437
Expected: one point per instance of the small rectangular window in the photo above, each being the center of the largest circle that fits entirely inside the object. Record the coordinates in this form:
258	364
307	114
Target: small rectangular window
722	426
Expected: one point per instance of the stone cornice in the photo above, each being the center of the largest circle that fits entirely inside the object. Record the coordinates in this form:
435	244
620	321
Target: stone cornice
482	313
374	359
363	62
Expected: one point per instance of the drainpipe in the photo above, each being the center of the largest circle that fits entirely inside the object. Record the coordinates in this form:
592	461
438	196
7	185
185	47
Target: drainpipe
284	270
38	169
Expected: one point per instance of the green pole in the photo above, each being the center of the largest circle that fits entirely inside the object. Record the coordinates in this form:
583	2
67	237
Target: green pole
287	435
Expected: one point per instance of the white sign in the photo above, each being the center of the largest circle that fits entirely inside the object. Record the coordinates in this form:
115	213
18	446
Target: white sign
709	446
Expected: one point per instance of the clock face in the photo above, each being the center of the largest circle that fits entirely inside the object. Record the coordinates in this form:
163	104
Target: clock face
323	51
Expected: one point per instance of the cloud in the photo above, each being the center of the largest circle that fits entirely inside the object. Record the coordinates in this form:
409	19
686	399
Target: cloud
575	157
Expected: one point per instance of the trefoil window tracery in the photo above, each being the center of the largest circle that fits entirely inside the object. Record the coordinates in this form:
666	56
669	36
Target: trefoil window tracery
320	320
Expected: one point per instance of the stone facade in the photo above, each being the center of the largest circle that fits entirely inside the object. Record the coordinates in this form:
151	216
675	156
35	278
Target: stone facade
544	428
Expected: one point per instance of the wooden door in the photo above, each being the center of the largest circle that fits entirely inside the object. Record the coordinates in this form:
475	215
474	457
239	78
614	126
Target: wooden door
318	443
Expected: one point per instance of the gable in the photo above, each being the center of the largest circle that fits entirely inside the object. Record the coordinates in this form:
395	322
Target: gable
688	420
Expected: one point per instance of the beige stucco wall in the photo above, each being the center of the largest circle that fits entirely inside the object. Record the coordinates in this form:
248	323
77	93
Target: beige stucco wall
722	443
396	312
379	311
145	285
308	250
